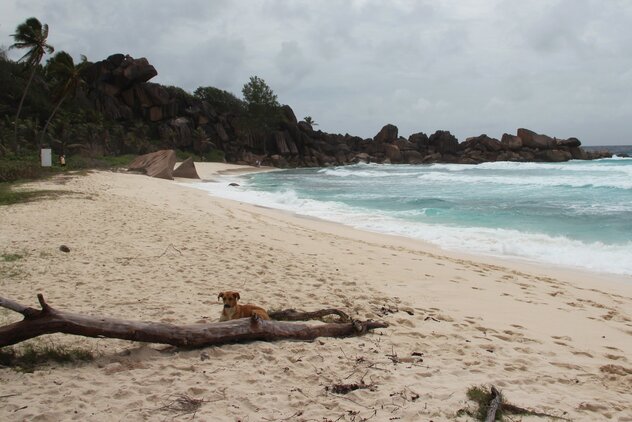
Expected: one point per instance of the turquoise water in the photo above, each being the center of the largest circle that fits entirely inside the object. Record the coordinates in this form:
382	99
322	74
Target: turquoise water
576	214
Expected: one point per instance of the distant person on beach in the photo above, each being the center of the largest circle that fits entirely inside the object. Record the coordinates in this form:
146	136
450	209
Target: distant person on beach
62	160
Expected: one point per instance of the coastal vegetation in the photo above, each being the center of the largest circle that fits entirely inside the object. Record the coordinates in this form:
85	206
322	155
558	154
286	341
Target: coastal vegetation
10	195
11	257
51	101
32	355
88	111
310	121
491	406
30	35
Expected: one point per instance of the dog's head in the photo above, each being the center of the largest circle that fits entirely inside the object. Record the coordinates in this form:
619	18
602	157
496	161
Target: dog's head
230	298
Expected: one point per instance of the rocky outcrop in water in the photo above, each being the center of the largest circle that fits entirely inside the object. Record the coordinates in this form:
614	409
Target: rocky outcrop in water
119	88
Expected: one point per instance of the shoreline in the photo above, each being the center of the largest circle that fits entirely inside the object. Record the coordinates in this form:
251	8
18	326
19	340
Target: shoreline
154	250
522	262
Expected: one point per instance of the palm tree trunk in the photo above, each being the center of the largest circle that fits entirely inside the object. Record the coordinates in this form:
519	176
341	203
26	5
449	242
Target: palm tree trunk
16	145
61	100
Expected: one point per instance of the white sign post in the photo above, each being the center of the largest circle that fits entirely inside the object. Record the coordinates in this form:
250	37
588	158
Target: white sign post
47	160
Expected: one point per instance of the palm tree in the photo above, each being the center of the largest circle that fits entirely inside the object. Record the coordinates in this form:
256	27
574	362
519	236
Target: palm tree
67	78
31	35
310	121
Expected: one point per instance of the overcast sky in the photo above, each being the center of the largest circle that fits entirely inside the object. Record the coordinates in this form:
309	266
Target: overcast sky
560	67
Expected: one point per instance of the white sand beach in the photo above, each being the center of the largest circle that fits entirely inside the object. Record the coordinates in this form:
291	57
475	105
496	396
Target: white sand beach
553	340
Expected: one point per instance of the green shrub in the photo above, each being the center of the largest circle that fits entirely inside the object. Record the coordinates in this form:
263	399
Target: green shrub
29	357
11	257
77	162
222	101
214	155
12	170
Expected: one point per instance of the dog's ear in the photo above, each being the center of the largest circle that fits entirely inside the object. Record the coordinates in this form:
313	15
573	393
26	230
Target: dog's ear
237	295
220	295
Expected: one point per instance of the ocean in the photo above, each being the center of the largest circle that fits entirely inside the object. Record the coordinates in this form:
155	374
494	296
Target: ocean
576	214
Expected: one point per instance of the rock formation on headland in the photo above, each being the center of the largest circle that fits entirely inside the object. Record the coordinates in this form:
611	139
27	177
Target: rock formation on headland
119	88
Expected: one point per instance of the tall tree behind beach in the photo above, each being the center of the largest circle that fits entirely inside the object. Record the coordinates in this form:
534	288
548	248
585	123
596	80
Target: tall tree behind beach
31	35
66	78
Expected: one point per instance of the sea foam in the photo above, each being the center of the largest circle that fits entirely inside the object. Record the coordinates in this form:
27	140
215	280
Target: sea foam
576	214
493	242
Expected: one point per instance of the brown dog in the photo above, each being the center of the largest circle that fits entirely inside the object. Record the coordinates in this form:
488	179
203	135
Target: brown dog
234	311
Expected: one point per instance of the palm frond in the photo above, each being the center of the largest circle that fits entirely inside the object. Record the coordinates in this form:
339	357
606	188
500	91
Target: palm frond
32	35
26	57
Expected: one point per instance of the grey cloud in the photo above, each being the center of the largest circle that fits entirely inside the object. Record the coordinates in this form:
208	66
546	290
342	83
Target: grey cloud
482	66
292	64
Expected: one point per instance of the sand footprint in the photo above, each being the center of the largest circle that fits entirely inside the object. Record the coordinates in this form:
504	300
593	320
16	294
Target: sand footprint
566	338
615	357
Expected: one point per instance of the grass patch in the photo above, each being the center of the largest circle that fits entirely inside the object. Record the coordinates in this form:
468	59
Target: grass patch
76	162
482	397
28	166
21	169
11	257
29	357
9	196
10	267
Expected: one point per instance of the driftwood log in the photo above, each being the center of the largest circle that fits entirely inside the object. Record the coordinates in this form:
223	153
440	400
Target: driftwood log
48	320
497	404
494	406
294	315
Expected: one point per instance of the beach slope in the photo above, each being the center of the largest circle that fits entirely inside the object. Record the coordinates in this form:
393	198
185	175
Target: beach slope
552	340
